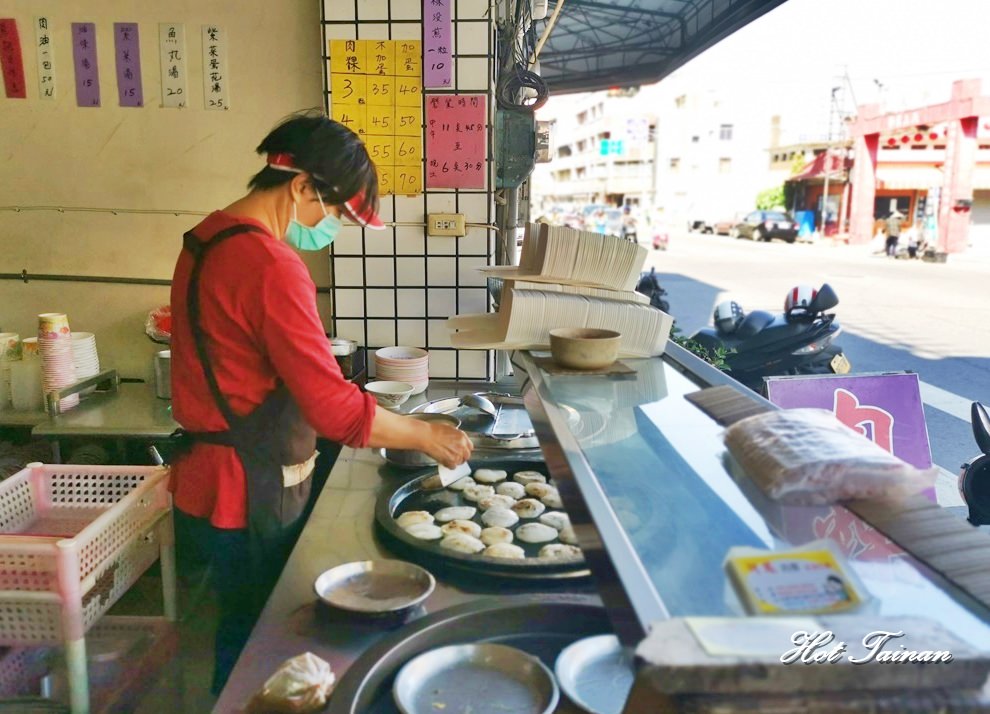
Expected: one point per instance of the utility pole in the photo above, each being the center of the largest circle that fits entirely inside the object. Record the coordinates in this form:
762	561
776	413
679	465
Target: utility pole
832	111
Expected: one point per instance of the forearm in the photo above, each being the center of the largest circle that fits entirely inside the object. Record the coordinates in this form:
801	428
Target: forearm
397	432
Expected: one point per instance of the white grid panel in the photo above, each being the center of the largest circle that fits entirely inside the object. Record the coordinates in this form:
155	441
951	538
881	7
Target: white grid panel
398	286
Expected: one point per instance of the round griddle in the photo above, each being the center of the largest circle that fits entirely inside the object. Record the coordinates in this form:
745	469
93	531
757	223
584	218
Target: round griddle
411	496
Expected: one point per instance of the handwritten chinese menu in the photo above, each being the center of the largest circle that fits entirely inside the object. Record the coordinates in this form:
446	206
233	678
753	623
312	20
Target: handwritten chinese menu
437	62
84	58
12	60
172	43
377	91
46	59
456	141
215	68
128	55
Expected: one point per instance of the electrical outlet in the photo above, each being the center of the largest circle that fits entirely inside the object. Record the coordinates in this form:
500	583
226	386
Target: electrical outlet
445	224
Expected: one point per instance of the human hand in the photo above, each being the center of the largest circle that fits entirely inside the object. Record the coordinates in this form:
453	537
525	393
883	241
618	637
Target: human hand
447	444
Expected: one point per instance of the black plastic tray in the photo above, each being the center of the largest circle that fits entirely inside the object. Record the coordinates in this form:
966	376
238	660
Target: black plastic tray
541	625
410	496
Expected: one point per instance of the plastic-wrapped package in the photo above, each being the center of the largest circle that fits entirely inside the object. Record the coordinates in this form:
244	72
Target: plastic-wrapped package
158	325
302	684
808	457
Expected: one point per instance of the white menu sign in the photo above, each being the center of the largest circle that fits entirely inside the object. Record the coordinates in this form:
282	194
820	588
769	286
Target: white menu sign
46	58
215	91
172	39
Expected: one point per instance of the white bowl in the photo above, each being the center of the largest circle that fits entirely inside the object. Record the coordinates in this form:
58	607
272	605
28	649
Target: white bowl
390	394
401	355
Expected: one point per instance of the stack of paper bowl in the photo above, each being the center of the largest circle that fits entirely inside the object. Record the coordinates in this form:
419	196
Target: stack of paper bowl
30	349
55	343
84	357
10	351
404	364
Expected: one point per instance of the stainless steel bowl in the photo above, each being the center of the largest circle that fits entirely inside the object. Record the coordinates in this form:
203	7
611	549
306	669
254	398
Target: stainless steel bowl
375	587
453	679
597	673
417	459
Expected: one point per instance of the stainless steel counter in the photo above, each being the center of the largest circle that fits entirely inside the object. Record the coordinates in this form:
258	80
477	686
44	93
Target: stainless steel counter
133	411
340	530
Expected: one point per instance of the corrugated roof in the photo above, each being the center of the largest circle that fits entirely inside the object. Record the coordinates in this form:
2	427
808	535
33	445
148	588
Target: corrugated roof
597	44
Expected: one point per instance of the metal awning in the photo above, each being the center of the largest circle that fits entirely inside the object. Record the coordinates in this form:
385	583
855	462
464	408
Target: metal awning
597	44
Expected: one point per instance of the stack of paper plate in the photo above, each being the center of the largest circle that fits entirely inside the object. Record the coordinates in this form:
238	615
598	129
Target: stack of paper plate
55	343
84	356
404	364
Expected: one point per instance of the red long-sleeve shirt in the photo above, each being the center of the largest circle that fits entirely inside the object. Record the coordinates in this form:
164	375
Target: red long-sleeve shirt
258	309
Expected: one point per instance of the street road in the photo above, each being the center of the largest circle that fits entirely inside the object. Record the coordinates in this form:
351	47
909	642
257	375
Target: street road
896	314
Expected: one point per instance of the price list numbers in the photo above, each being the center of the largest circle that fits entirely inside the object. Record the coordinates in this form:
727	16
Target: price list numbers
84	59
377	91
172	46
215	68
437	60
128	55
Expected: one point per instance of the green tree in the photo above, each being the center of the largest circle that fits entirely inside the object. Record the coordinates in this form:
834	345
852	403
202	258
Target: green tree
770	198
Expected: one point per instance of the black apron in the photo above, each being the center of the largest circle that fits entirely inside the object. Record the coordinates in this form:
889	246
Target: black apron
274	435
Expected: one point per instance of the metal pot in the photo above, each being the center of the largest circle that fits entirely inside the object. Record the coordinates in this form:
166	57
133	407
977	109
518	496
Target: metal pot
408	459
163	374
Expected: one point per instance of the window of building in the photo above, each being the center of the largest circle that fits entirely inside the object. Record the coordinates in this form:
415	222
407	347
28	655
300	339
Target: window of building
582	146
564	175
564	151
725	132
724	165
680	101
582	118
695	139
581	172
675	164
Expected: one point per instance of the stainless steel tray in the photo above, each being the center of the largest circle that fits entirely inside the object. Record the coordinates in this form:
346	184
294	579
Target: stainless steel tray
512	430
411	496
542	625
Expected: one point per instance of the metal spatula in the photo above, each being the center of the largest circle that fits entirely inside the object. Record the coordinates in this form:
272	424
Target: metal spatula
446	476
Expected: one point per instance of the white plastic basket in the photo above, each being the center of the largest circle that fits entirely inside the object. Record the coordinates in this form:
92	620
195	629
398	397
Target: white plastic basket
73	539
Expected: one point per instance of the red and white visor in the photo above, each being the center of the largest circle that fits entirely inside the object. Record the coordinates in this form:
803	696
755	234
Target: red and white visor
353	206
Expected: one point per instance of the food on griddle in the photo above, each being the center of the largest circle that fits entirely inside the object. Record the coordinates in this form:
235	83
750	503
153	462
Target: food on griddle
567	535
525	477
478	492
461	483
496	501
462	543
560	551
453	513
490	475
529	508
411	518
511	489
555	519
502	517
505	550
552	499
496	534
424	531
459	526
538	489
536	533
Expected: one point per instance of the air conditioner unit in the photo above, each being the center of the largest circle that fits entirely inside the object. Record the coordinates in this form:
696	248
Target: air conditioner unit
540	9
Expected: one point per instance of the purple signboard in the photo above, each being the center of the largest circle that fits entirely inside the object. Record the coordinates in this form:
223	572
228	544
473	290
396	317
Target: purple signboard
438	64
885	408
128	54
84	58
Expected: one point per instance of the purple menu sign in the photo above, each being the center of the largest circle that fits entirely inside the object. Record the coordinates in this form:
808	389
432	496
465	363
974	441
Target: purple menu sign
128	52
437	61
84	58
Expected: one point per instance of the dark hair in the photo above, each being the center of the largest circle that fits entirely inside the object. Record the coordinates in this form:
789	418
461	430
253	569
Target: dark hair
334	157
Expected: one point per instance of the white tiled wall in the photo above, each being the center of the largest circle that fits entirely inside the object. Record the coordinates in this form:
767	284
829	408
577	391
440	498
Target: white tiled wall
398	286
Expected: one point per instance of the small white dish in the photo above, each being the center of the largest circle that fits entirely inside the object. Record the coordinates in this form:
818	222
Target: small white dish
390	395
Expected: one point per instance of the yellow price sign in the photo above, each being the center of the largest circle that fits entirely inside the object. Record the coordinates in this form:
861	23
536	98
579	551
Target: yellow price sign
348	88
408	180
353	116
408	58
408	92
408	121
408	151
381	91
381	57
348	56
385	179
381	149
381	120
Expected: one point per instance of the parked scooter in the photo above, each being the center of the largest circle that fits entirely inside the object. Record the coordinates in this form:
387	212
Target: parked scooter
762	344
974	480
649	285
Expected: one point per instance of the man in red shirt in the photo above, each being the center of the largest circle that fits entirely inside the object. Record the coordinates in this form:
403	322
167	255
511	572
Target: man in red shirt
247	342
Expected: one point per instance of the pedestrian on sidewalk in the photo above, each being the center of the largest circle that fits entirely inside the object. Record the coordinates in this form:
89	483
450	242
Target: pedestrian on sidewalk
894	221
912	240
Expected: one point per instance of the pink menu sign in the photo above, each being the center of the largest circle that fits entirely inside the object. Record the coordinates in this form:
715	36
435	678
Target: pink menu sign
128	51
437	62
456	141
84	58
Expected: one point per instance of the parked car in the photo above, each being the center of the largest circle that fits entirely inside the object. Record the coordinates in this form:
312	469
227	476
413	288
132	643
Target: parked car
766	225
724	227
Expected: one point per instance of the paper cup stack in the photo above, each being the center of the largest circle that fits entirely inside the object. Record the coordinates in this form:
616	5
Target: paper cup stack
10	352
84	357
404	364
57	366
